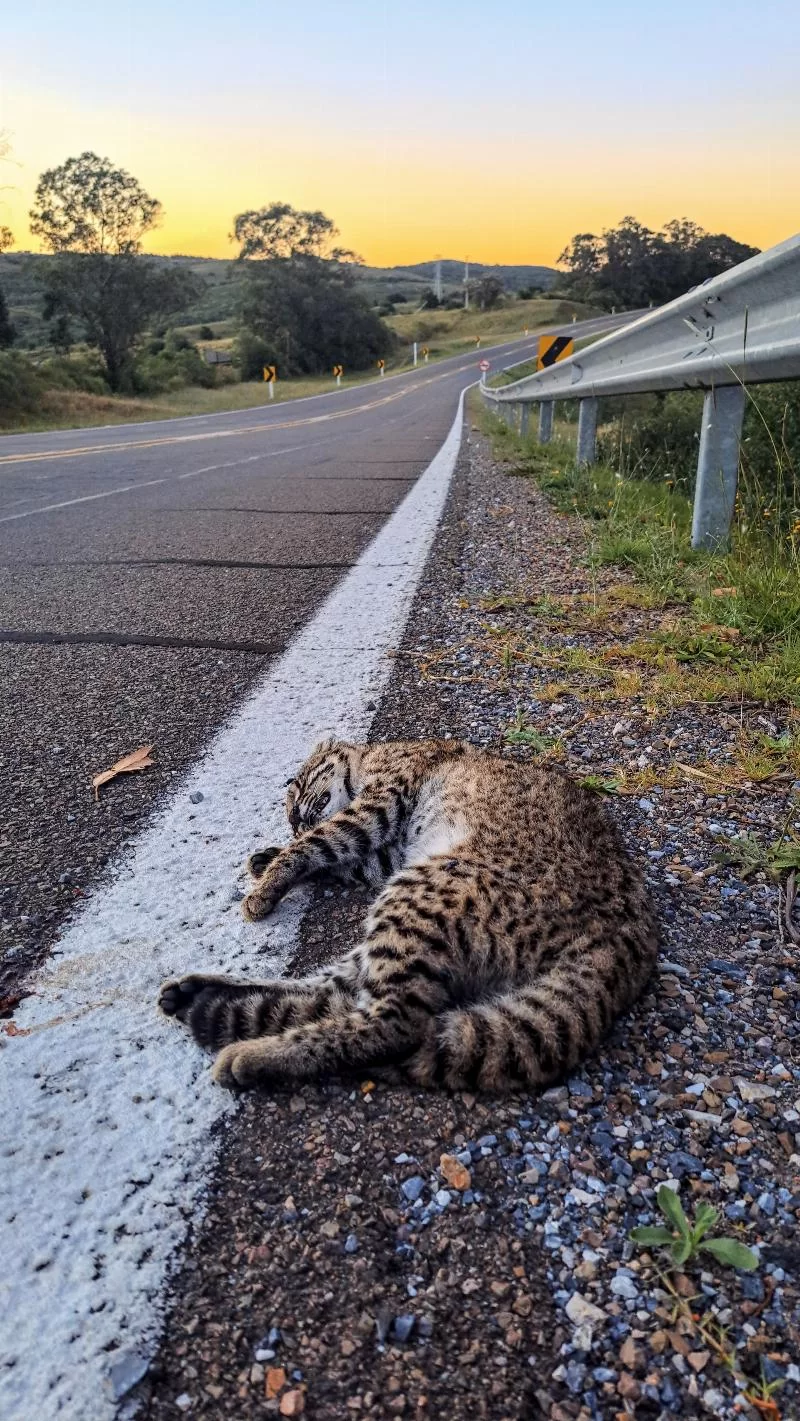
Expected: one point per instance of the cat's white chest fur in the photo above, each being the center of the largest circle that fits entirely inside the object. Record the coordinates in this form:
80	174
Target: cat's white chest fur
432	831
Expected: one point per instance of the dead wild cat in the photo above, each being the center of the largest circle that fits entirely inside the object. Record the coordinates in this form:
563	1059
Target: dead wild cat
510	931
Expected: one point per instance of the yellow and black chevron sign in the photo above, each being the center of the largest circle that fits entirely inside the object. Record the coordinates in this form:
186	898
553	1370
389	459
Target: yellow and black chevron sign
338	370
553	348
270	372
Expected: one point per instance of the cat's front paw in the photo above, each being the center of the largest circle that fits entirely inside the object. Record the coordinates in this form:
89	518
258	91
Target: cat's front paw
259	862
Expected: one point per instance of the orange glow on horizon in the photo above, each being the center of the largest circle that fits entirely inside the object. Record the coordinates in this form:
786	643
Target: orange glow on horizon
398	203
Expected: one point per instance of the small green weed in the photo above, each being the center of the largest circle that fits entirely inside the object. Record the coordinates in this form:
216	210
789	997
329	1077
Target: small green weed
521	733
600	784
685	1240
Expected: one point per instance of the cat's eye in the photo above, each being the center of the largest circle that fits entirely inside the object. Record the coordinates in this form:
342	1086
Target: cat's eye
324	799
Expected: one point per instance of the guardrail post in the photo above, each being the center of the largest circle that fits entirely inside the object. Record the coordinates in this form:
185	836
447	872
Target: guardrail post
545	421
587	430
717	466
524	418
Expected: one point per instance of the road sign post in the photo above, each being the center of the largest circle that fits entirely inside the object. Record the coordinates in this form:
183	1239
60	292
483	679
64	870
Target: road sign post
484	366
270	376
338	371
415	353
382	366
425	353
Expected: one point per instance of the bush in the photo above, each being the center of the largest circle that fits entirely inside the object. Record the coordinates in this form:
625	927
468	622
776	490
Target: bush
205	333
251	354
657	437
79	372
176	364
654	436
21	388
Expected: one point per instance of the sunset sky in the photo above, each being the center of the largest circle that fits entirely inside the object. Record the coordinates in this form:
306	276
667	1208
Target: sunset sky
493	132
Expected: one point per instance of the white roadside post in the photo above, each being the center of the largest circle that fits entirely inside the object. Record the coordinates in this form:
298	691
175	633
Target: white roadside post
415	353
717	466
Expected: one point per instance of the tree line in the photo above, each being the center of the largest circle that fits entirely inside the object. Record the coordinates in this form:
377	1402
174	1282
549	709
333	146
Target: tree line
629	266
299	307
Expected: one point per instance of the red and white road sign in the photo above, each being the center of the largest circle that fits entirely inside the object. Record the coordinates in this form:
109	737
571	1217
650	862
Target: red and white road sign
484	365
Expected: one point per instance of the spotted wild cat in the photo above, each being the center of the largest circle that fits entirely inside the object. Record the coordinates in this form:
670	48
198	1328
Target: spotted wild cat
511	928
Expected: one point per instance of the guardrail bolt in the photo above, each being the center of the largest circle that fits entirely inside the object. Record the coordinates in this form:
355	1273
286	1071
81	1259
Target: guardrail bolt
717	466
545	421
587	431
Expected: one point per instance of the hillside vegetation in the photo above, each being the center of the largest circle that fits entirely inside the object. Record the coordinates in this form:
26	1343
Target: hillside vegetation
219	287
70	394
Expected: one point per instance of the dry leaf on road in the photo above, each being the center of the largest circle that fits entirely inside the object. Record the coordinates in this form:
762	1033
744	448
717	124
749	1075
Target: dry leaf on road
137	760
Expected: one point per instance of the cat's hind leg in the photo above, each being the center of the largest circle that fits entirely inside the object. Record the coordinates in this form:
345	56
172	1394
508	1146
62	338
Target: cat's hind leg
219	1010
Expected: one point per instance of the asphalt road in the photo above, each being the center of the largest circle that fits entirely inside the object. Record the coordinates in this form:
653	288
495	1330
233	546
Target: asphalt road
147	574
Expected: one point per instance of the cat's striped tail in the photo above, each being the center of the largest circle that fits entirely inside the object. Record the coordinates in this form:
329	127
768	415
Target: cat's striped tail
532	1036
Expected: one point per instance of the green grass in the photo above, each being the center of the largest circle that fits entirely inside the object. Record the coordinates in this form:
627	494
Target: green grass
735	625
451	331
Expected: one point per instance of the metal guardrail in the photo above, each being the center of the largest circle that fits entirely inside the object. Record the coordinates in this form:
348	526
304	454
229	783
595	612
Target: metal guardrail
738	329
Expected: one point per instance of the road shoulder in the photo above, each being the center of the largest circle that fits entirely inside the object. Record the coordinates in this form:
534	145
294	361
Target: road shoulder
338	1271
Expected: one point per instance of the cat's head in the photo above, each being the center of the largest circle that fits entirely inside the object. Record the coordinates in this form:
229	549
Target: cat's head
323	785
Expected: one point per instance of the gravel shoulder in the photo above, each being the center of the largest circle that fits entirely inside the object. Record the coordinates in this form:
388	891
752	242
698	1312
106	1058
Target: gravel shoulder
345	1268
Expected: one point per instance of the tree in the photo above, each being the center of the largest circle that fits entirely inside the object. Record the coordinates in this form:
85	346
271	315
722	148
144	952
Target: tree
280	231
308	316
299	303
115	298
487	292
93	217
88	205
8	332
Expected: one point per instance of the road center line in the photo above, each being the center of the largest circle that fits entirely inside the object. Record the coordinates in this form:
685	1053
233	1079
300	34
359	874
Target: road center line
107	1110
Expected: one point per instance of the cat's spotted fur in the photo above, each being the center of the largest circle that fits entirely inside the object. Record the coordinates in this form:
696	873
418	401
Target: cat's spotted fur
510	931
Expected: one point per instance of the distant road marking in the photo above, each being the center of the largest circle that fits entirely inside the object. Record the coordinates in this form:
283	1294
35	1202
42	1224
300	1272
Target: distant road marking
108	1111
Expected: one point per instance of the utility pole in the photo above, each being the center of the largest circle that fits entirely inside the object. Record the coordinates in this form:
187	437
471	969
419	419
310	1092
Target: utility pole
466	284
